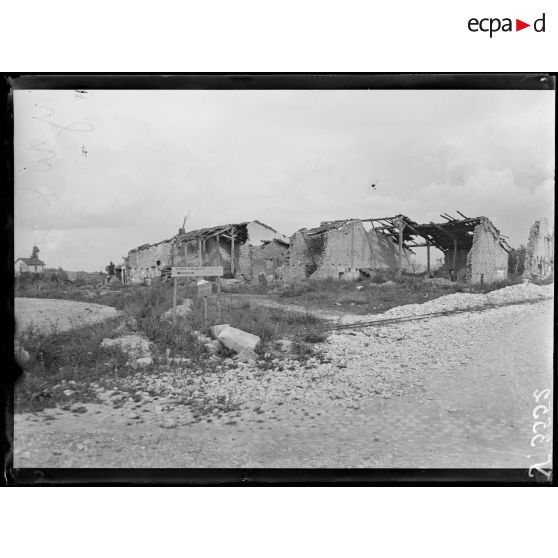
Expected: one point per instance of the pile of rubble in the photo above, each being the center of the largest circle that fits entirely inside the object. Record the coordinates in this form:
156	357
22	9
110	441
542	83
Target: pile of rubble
524	292
182	310
519	293
136	347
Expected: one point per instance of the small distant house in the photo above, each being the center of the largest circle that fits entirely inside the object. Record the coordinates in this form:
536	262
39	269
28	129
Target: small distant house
29	265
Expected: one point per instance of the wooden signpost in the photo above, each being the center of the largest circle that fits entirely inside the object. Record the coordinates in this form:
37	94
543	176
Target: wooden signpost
204	287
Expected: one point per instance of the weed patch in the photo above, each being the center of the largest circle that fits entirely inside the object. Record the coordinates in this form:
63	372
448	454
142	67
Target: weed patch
66	361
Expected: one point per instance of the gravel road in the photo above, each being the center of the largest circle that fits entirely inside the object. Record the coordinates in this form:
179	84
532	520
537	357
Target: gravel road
48	315
450	391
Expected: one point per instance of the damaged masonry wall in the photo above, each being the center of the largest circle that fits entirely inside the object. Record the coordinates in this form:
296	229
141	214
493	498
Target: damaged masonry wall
474	250
342	251
256	246
145	262
539	257
487	261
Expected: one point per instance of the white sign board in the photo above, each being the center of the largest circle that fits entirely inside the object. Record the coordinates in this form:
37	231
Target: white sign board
216	271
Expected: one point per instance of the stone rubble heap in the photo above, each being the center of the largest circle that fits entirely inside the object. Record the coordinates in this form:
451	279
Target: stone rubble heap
137	348
182	310
524	292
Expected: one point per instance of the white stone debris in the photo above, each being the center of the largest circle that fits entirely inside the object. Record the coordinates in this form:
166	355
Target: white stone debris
142	362
236	339
216	329
182	310
213	347
461	301
284	345
386	284
134	346
177	360
247	355
520	293
21	355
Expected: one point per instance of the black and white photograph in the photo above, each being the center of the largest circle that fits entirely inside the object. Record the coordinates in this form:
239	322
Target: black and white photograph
307	274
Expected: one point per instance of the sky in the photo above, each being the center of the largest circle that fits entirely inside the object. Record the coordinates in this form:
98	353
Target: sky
98	173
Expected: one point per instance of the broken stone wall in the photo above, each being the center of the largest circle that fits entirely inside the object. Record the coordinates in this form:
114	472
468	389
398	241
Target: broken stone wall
145	263
261	253
298	261
258	233
461	259
345	251
341	253
539	257
487	260
350	249
385	252
266	259
214	253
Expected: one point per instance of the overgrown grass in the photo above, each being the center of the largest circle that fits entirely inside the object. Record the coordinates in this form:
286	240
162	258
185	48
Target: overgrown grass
269	324
372	297
67	360
72	360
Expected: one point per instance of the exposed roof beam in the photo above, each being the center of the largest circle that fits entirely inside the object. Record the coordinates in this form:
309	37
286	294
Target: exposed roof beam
448	217
413	229
444	231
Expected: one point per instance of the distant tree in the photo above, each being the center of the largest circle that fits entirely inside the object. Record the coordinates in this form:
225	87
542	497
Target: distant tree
516	261
35	253
110	269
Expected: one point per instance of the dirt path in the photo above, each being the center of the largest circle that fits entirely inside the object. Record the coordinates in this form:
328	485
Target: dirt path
454	391
49	314
269	302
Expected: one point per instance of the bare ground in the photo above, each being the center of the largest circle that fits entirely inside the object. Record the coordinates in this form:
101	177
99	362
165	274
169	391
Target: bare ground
49	315
453	391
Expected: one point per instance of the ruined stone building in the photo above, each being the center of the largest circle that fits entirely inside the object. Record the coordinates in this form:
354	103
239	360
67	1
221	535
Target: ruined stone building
243	249
539	256
341	250
474	250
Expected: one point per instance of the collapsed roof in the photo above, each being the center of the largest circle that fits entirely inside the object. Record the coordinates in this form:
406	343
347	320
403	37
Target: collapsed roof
458	233
444	236
237	230
388	226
